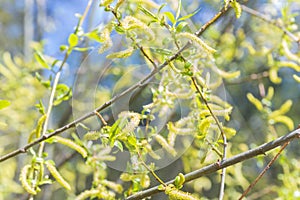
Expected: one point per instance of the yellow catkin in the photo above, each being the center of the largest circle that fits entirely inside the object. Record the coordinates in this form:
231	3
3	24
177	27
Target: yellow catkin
297	78
288	53
273	73
71	144
24	182
54	172
285	107
92	135
105	35
114	186
151	152
198	41
237	8
226	75
134	120
37	131
289	64
255	102
270	93
130	23
121	54
40	125
229	131
205	124
175	194
161	140
171	138
285	120
86	194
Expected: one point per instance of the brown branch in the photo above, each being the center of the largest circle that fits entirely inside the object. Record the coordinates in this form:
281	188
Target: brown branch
249	78
115	98
265	170
228	162
270	21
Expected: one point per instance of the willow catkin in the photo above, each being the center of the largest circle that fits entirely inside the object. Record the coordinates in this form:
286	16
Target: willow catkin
176	194
198	41
58	177
24	181
162	141
71	144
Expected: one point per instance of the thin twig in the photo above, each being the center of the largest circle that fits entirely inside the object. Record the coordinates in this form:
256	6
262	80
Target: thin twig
226	163
56	80
270	21
115	98
223	173
101	118
265	170
214	148
251	77
52	96
150	170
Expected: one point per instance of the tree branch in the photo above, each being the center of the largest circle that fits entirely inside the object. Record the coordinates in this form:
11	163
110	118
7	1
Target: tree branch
265	170
115	98
228	162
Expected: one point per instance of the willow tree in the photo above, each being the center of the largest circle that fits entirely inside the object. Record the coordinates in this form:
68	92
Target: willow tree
170	99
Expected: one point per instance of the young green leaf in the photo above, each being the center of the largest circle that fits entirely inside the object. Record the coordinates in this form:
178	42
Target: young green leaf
105	2
4	104
63	93
82	49
40	106
73	40
170	16
179	180
40	59
188	16
178	10
147	12
181	26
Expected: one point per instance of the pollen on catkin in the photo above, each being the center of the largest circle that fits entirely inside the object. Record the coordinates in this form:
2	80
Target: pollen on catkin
130	23
58	177
198	41
71	144
24	181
